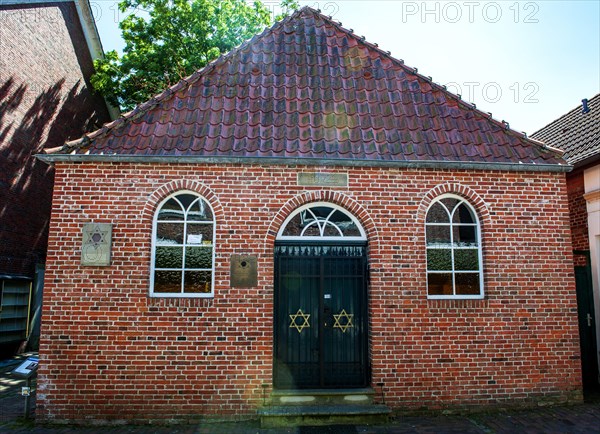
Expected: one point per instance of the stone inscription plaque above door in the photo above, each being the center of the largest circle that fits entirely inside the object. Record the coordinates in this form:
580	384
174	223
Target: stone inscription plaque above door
318	179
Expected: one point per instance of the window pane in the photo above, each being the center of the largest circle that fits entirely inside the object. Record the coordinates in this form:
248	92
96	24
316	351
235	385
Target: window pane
465	236
167	281
450	203
294	227
169	233
312	231
321	212
345	223
439	259
349	229
463	215
437	214
169	257
331	230
467	283
439	284
438	235
198	257
339	217
466	259
171	210
186	199
200	212
199	234
197	282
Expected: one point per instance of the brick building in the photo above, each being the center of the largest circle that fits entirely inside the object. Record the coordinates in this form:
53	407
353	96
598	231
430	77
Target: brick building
577	133
46	53
306	213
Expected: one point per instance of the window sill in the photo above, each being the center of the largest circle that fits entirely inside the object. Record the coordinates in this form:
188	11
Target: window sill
455	297
167	295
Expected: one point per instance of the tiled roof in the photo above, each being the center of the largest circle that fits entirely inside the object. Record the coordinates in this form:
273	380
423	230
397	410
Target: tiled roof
308	88
576	133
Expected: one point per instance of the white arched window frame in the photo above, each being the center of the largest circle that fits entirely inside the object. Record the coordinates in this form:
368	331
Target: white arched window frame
183	248
454	254
321	221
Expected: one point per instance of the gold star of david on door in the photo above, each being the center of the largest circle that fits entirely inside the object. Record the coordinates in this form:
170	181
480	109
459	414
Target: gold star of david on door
340	317
304	324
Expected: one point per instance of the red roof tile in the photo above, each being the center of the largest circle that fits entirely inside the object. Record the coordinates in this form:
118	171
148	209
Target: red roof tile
308	88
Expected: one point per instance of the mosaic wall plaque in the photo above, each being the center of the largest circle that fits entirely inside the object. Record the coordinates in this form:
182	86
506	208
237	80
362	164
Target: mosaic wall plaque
96	244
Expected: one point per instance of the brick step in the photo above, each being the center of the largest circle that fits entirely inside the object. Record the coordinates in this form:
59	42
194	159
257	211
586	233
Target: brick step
313	415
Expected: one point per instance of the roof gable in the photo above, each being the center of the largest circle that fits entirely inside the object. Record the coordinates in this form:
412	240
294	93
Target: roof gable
576	133
309	89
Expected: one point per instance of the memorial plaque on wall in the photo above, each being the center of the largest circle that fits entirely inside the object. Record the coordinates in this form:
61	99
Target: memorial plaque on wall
96	244
243	272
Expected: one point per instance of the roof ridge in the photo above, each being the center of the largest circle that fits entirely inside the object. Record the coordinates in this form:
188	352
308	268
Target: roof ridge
578	107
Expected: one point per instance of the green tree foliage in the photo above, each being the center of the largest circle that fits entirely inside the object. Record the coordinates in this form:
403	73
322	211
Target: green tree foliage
171	40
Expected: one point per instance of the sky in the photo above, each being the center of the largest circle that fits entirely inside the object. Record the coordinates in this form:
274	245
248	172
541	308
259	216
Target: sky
526	62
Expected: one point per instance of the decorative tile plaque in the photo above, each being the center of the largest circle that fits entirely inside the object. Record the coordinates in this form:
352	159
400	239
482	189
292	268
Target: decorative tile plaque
96	244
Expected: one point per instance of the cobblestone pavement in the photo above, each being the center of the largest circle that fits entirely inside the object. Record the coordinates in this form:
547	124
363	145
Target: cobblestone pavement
584	418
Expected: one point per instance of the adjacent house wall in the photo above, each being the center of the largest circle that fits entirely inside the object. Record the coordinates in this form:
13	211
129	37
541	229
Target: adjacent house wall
108	351
45	99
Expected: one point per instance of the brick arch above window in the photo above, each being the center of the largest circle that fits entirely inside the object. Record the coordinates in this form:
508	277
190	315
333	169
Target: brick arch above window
171	187
476	201
334	197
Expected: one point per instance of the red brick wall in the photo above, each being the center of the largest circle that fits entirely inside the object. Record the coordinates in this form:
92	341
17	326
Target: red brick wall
109	351
578	214
45	100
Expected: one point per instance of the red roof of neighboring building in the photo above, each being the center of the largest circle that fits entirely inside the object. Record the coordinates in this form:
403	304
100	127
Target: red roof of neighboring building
577	133
308	88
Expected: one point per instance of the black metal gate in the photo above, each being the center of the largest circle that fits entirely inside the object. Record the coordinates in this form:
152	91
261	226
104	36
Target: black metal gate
320	316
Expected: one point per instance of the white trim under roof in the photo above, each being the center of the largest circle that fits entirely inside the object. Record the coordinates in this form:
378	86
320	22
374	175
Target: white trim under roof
300	161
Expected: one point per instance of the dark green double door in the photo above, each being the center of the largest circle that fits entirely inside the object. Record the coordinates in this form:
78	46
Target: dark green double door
320	316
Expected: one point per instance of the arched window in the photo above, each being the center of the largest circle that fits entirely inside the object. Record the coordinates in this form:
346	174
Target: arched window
183	247
321	221
454	260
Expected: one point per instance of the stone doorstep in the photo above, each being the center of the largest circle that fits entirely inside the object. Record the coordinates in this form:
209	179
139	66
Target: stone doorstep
322	407
305	415
304	397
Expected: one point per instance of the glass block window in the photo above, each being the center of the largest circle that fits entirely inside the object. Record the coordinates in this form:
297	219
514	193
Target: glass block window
183	247
454	259
320	221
